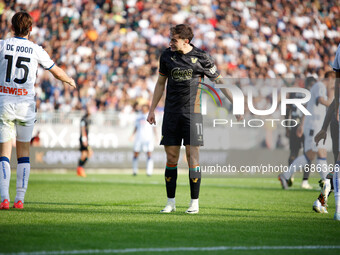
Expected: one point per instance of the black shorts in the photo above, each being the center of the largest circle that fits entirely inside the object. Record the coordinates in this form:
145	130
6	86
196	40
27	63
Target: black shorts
182	126
295	142
82	146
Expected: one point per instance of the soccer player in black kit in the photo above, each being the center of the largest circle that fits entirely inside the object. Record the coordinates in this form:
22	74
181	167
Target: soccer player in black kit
295	141
86	151
182	66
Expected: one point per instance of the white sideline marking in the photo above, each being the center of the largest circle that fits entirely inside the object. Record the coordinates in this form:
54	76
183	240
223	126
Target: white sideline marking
169	249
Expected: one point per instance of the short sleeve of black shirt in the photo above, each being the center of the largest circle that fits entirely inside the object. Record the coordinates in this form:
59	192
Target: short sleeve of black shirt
209	67
162	65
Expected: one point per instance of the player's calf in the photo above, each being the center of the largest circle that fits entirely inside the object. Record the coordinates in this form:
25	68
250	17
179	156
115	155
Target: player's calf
23	173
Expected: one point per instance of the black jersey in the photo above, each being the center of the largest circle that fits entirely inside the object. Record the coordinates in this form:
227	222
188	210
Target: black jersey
296	113
84	122
184	72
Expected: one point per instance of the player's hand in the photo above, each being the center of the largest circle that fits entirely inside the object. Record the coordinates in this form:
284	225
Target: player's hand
299	131
72	83
151	118
319	136
90	151
239	117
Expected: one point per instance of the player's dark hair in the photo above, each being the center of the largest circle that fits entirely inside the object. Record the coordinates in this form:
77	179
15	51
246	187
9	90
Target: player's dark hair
22	22
183	31
309	81
329	74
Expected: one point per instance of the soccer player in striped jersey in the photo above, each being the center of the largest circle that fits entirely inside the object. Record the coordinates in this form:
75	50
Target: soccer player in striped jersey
19	59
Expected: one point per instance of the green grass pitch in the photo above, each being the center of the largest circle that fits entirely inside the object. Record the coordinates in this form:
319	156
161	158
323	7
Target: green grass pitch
65	213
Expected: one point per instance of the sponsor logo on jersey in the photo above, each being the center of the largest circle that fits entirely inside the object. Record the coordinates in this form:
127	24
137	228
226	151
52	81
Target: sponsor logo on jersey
194	60
13	91
179	74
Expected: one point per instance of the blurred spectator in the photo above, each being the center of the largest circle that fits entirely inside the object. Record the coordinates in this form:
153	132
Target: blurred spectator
112	47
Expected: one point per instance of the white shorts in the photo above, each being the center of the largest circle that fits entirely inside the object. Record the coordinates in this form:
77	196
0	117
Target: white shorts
145	146
309	143
17	118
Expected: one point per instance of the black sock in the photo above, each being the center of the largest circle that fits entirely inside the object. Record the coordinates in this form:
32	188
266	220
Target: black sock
306	169
195	181
170	180
306	174
82	162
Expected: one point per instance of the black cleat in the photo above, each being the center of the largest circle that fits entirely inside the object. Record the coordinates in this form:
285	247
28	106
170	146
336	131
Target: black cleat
283	181
290	181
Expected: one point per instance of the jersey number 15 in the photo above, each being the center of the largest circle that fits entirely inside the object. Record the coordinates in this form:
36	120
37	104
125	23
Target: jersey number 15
19	64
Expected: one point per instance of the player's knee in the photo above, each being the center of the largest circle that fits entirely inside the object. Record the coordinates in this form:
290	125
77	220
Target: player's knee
310	155
322	153
172	158
192	158
294	154
291	159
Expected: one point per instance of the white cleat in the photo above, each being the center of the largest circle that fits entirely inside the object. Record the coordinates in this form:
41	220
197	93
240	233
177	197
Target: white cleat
170	206
306	186
317	207
193	207
324	209
337	216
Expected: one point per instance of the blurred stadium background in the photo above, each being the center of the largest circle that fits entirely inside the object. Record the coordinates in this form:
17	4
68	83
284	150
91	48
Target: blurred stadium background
111	48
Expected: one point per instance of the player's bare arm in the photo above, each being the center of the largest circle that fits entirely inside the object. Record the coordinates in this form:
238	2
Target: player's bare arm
133	133
330	91
336	94
299	130
157	95
322	134
228	95
60	74
325	102
225	91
